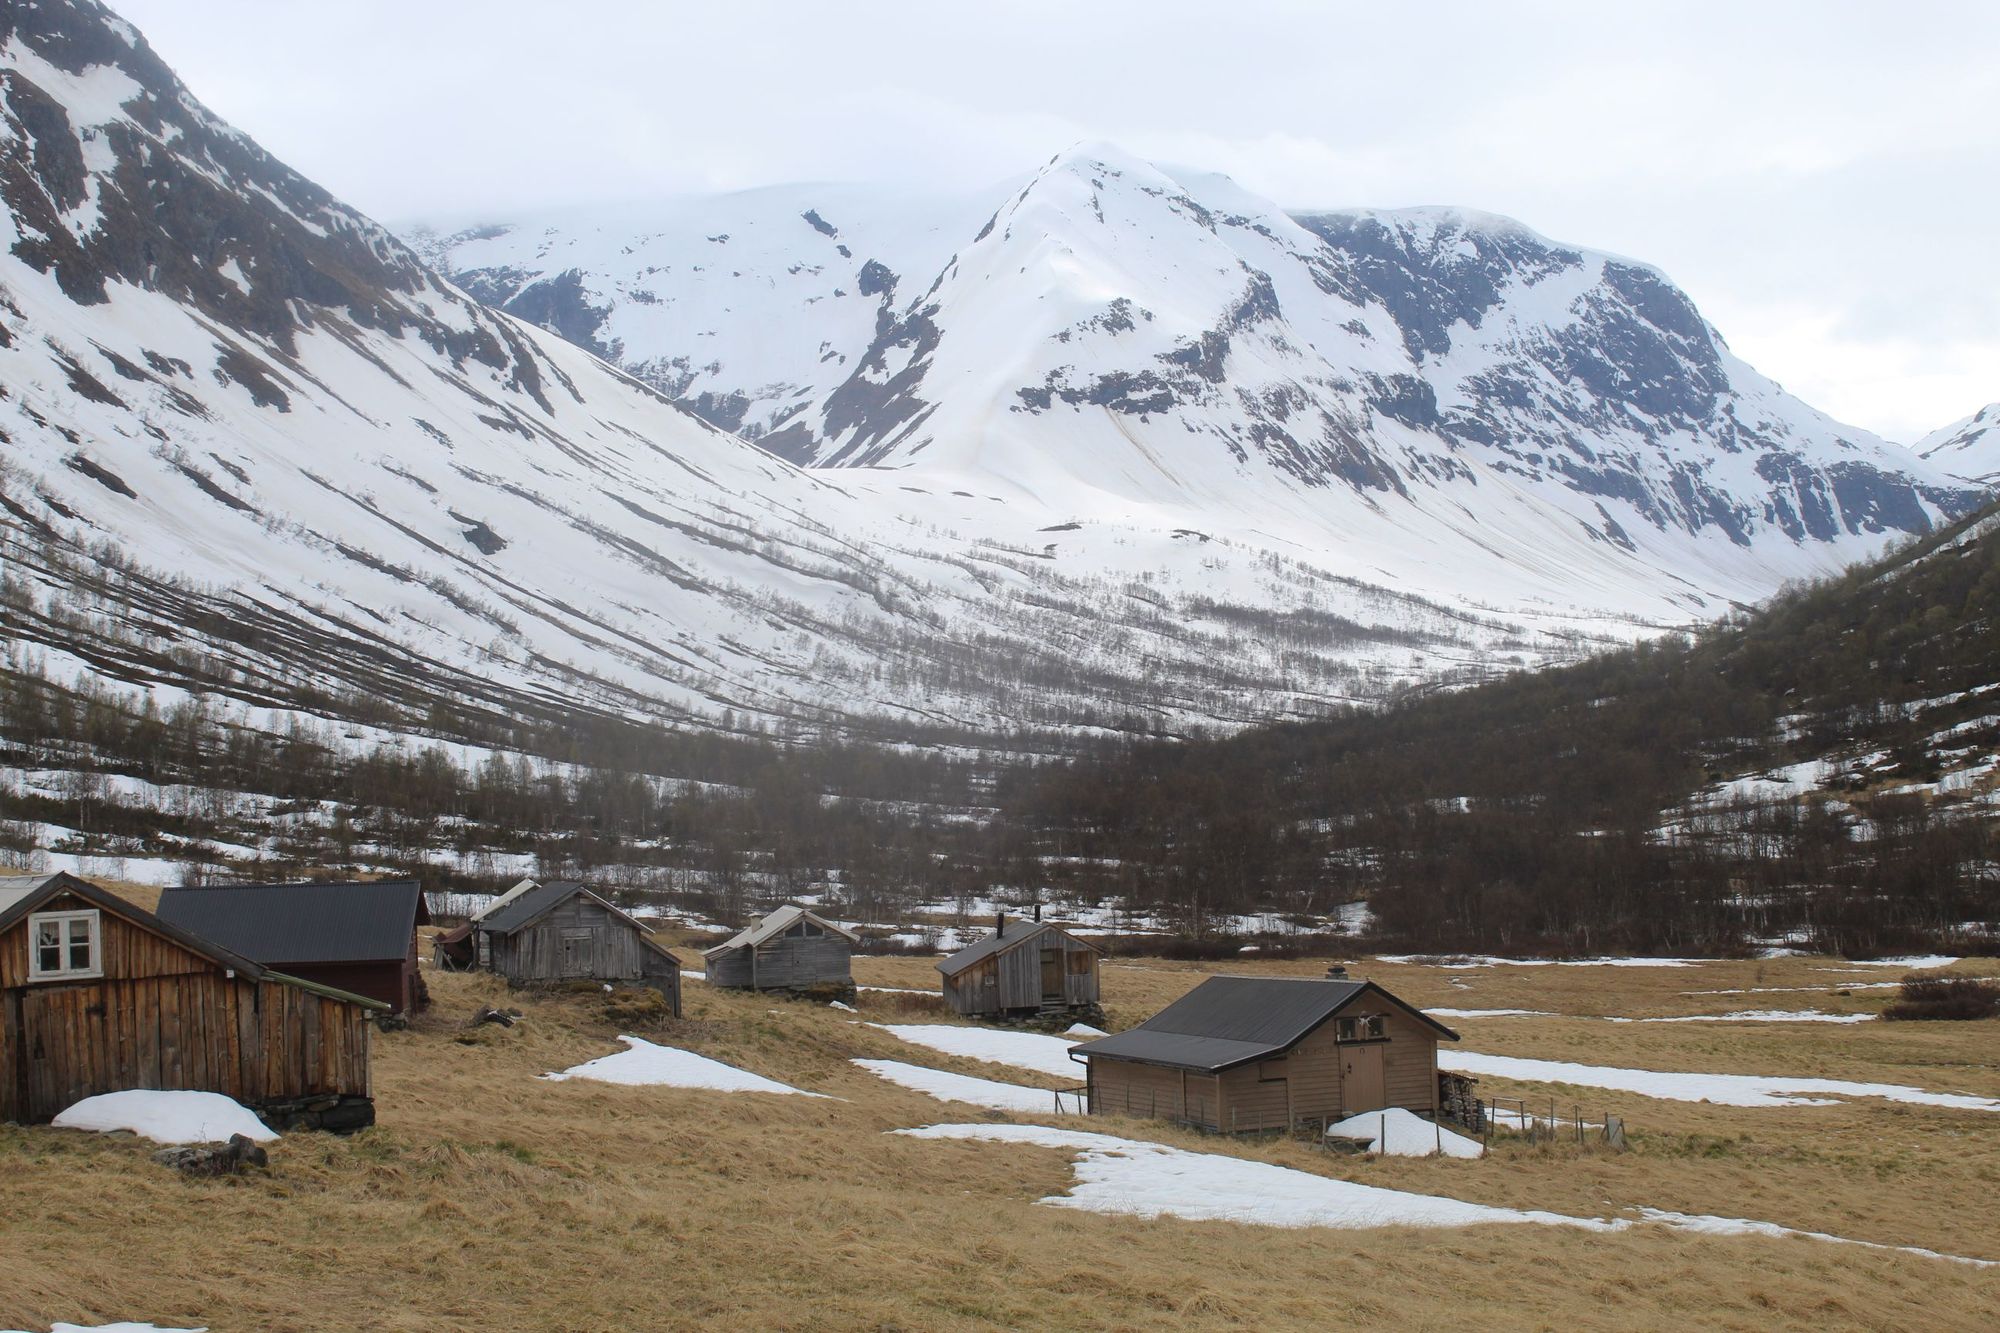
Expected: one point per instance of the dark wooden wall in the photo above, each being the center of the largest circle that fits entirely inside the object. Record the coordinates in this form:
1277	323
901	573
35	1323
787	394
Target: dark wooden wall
163	1017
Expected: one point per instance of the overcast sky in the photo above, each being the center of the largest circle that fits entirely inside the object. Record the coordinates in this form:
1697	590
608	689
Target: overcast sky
1823	178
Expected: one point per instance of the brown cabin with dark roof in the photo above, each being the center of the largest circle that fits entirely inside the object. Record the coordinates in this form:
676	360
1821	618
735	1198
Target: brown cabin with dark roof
1257	1053
97	995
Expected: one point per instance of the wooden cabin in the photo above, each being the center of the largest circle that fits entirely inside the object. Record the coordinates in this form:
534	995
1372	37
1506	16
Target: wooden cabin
355	937
1022	968
547	933
1258	1053
791	949
98	996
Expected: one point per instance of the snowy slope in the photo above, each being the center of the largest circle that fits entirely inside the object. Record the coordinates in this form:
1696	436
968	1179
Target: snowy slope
1439	399
1967	448
302	453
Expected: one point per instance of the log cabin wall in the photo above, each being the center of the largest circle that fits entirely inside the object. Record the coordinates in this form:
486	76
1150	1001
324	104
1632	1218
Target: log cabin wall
1013	978
788	962
164	1017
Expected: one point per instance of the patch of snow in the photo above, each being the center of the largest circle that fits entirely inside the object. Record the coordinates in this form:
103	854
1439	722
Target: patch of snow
1722	1089
1396	1132
1758	1016
1491	1013
166	1117
1488	960
1140	1179
1919	963
648	1065
1134	1178
975	1091
1084	1030
841	1005
1023	1050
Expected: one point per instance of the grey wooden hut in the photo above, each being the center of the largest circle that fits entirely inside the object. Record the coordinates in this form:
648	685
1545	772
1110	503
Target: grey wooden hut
560	931
791	949
1023	968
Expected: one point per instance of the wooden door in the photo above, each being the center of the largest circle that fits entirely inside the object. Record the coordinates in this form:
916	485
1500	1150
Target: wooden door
577	951
1052	974
1362	1085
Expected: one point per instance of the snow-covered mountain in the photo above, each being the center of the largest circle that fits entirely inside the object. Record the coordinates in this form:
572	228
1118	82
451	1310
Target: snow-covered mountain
256	448
1967	448
1110	450
1131	341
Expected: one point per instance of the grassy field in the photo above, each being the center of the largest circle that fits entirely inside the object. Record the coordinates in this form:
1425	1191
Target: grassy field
489	1198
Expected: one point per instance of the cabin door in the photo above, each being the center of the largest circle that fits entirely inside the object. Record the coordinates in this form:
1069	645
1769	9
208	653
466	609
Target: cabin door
1052	976
1362	1086
574	960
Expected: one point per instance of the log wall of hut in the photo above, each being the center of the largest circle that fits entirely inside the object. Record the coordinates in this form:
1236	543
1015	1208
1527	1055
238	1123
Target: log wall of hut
579	940
1048	970
163	1017
800	959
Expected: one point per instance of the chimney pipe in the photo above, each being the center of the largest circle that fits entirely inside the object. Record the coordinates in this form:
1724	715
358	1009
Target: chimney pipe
1038	911
999	922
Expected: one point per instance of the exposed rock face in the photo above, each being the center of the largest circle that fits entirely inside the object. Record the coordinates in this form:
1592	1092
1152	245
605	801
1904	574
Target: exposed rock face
1968	448
1160	455
1400	356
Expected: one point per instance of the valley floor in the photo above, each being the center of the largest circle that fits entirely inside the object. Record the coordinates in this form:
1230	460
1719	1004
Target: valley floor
488	1197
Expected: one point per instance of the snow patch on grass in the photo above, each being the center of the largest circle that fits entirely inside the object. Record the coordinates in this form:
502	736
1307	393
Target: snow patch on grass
165	1117
648	1065
989	1093
1023	1050
1140	1179
1400	1133
1723	1089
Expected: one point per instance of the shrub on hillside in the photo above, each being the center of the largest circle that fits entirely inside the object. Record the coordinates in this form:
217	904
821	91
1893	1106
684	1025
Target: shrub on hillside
1946	997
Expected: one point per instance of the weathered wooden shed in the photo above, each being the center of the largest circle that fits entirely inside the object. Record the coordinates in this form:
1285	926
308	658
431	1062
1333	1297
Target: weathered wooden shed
1256	1053
1023	967
97	995
359	937
791	949
561	931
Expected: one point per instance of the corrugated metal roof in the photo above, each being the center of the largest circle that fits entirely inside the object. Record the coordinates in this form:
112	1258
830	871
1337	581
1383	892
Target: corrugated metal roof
502	900
776	923
1012	933
300	923
1229	1021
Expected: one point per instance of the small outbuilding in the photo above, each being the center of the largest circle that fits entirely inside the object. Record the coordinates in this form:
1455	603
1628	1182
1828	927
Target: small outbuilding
1023	968
97	995
544	933
359	937
1257	1053
791	949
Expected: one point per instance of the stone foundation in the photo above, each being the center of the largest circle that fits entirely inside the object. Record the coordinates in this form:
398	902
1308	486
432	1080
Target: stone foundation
333	1113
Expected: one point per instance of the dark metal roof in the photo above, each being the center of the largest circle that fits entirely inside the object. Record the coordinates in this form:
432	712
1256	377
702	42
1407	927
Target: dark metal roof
1009	935
1228	1021
301	923
34	894
39	889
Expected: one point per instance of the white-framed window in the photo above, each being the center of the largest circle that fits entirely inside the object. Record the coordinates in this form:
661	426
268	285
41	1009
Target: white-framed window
64	946
1362	1027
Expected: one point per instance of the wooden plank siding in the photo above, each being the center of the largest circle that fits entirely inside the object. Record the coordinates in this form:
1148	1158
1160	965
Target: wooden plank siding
579	940
791	961
163	1017
1011	978
1304	1083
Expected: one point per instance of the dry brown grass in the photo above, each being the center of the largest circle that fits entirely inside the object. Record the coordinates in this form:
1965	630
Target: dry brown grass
488	1198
